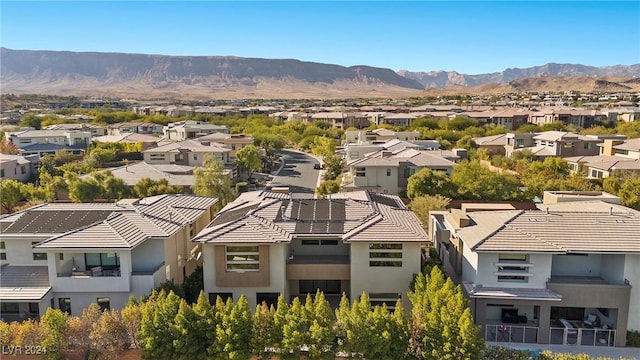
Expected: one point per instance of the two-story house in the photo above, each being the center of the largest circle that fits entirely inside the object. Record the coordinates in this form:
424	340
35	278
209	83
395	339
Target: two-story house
389	171
134	127
378	136
188	152
68	256
17	167
95	130
234	142
40	142
615	154
190	129
564	274
265	244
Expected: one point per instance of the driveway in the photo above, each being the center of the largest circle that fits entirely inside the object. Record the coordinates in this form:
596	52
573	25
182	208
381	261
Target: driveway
298	173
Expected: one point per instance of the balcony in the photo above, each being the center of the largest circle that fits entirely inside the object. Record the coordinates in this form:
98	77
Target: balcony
591	291
93	280
143	281
310	267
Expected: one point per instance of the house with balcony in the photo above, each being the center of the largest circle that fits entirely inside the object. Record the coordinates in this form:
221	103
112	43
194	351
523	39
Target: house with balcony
134	127
190	129
21	168
378	136
389	171
68	256
564	274
265	244
553	143
41	142
615	155
95	130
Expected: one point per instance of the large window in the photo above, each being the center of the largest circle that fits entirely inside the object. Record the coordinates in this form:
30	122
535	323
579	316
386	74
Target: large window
243	258
108	261
387	255
360	171
64	304
319	242
158	157
213	297
9	307
513	268
388	299
326	286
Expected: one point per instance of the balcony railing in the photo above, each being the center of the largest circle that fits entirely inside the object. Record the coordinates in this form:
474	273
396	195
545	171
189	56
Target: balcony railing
511	334
582	336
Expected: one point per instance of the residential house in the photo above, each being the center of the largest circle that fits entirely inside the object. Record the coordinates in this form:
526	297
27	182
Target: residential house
494	144
41	142
564	274
627	114
95	130
187	152
621	147
510	118
21	168
190	129
575	117
378	136
553	143
234	142
68	256
134	127
615	154
265	244
389	171
147	141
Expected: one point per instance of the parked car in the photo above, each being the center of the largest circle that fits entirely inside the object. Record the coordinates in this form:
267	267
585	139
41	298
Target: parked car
317	166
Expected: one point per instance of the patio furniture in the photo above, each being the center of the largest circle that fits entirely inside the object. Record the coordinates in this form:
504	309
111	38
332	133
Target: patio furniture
591	320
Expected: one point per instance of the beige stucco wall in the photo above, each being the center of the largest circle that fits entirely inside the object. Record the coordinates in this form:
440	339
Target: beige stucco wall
541	271
383	279
632	273
20	252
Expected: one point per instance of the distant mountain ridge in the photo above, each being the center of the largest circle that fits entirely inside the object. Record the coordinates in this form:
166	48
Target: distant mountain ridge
443	79
228	77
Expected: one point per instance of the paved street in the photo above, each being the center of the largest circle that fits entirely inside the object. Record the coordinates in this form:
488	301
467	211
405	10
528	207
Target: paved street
298	172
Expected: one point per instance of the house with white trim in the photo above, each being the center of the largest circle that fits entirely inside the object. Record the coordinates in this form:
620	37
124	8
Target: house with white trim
265	244
68	256
567	273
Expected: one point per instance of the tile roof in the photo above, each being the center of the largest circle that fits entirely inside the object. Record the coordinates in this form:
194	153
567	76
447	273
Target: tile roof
23	283
494	140
595	227
270	217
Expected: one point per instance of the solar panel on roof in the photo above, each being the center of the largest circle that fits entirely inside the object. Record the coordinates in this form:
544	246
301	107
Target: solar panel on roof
232	215
381	199
53	222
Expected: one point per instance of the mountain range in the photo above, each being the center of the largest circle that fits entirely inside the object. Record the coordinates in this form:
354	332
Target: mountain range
194	77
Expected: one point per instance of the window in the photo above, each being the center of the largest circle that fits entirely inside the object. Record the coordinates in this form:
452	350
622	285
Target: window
588	145
3	256
23	169
326	286
213	297
597	174
513	268
243	258
388	172
1	172
156	157
319	242
2	245
386	255
408	172
195	157
267	298
354	154
361	172
104	303
38	255
379	299
9	307
108	261
61	256
34	308
64	304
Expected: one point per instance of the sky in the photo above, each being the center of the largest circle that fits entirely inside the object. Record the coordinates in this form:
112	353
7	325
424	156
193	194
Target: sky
469	37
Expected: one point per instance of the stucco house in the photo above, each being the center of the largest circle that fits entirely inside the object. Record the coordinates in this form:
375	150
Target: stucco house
190	129
188	152
42	142
68	256
265	244
389	171
17	167
564	274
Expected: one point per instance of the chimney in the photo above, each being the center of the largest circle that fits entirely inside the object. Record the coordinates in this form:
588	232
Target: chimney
386	153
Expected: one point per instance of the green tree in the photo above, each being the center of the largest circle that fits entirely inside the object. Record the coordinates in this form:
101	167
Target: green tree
157	328
466	142
630	193
131	320
430	182
423	204
148	187
111	187
211	180
323	146
10	194
263	331
476	182
279	320
296	329
55	323
321	335
84	190
234	331
192	340
328	187
333	167
443	319
31	120
249	159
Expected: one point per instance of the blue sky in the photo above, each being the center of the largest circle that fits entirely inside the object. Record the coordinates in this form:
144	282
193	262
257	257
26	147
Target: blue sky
469	37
